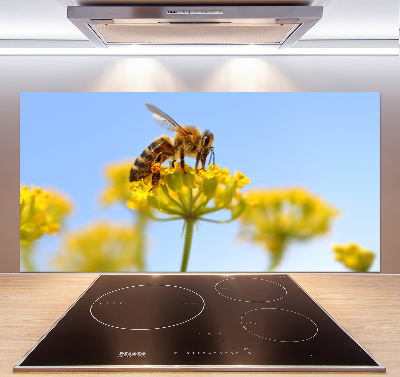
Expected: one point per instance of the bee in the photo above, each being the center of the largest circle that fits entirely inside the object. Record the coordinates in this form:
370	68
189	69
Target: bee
188	141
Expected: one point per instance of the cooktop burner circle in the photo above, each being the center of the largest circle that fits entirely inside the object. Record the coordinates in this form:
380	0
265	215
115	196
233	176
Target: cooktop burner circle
279	325
147	307
251	289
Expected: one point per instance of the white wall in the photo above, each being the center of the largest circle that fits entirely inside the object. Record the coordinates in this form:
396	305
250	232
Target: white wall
274	73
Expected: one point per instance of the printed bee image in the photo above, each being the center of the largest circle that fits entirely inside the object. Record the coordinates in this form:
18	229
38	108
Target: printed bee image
188	141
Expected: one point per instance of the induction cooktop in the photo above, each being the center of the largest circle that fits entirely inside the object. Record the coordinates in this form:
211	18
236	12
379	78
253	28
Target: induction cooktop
224	322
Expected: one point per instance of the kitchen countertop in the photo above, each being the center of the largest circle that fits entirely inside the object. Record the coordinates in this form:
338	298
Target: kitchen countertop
366	305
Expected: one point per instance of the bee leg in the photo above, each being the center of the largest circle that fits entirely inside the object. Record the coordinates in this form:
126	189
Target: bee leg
197	161
183	160
155	179
203	161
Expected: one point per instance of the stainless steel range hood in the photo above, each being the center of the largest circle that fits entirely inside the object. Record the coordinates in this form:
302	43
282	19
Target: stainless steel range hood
116	26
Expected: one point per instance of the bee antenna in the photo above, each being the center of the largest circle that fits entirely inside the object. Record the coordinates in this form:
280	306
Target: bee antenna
212	155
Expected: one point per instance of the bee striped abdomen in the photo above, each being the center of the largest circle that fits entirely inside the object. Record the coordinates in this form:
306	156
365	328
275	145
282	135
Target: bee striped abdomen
143	165
141	168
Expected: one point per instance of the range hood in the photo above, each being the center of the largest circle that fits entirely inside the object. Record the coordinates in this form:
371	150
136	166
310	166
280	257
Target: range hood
116	26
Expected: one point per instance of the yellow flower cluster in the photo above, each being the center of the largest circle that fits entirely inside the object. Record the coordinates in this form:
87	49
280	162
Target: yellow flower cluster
354	257
188	193
41	212
117	190
275	217
101	247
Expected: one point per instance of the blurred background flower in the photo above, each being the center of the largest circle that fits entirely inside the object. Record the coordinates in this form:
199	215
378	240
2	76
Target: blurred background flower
117	189
41	212
118	193
354	256
274	218
100	247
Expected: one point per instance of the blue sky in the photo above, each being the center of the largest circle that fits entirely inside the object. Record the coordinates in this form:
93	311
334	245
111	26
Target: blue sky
328	143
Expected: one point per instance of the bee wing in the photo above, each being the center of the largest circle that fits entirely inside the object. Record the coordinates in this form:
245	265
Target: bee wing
164	120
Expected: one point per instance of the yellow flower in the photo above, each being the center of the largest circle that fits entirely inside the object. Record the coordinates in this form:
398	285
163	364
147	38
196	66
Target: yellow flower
101	247
190	195
117	189
26	194
242	180
275	217
354	256
41	212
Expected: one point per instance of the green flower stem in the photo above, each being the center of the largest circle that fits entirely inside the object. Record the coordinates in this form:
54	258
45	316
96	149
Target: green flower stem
201	206
217	221
171	211
189	222
31	212
21	208
190	194
276	257
214	209
197	195
141	226
172	199
181	198
26	254
151	216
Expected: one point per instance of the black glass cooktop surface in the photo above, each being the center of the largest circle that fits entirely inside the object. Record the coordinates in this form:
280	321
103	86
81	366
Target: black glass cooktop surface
197	322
